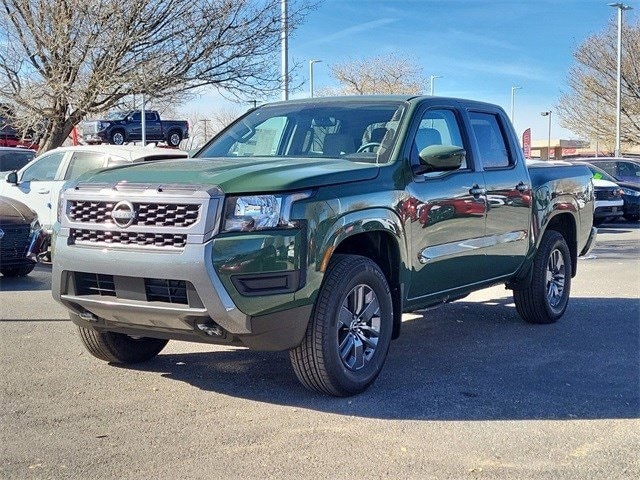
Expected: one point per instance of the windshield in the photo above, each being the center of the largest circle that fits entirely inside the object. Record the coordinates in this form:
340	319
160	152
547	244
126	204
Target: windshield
15	160
353	130
600	174
116	116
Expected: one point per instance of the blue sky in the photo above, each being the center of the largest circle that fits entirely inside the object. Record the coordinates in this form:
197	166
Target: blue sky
480	48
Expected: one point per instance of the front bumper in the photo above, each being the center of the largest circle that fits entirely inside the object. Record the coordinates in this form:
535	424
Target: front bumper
608	210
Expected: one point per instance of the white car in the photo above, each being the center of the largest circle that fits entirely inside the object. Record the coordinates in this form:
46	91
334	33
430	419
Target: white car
38	184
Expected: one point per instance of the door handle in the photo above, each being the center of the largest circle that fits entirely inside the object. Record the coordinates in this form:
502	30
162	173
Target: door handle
477	190
522	187
43	191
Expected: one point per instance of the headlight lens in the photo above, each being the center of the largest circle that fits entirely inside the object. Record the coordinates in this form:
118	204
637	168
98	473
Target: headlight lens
259	212
630	193
35	226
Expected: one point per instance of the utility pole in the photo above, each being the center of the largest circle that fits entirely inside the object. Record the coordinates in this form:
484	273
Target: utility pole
205	121
432	82
620	7
548	114
513	101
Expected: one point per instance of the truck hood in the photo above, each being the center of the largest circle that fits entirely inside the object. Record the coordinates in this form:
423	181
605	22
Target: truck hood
241	175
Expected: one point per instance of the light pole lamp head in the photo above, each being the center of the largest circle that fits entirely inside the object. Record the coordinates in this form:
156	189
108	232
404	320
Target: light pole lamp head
546	114
620	5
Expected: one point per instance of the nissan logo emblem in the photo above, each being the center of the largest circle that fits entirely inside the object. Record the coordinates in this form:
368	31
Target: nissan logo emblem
123	214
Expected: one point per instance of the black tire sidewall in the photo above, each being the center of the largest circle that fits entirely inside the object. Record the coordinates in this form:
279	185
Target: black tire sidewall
345	380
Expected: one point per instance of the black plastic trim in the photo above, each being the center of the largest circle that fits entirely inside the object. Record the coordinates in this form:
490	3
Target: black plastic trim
273	283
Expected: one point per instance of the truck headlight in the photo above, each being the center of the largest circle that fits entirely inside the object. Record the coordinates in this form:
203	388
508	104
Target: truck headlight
259	212
35	226
630	193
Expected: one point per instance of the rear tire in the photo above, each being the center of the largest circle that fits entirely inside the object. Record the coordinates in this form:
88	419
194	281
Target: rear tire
119	348
17	271
546	298
174	138
350	329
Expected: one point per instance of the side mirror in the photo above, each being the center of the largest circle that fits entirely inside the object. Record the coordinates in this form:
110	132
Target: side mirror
12	178
440	158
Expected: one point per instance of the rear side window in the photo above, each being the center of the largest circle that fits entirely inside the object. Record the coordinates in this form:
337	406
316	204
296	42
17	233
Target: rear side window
83	162
14	160
489	135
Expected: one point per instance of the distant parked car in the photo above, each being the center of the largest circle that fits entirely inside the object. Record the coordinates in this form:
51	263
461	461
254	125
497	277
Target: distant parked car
622	169
38	184
120	127
20	238
630	192
14	158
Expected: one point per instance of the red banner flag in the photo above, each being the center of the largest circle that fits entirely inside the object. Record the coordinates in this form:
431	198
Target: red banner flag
526	143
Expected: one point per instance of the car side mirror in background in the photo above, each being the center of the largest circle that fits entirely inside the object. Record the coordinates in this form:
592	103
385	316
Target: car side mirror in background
12	178
440	158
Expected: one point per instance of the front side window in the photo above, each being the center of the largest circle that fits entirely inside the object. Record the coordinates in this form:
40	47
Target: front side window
354	131
83	162
489	135
43	168
437	127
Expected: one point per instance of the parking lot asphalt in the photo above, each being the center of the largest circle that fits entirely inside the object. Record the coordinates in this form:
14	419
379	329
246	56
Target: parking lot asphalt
468	391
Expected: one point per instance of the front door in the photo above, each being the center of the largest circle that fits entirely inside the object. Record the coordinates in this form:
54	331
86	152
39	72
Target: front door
444	214
37	182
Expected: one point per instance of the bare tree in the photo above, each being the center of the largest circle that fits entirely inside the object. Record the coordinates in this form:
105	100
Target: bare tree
384	74
589	107
64	59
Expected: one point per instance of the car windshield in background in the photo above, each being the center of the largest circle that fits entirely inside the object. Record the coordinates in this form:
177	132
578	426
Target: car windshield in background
357	131
600	174
15	160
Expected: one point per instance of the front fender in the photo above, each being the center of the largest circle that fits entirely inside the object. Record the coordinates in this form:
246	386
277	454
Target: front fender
362	222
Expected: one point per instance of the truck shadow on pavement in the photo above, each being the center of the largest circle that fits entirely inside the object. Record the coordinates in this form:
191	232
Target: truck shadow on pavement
464	361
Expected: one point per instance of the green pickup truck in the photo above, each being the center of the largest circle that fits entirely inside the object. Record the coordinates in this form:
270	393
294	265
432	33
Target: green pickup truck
311	226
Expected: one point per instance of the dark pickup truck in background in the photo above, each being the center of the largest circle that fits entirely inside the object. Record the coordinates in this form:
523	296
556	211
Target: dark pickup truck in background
120	127
311	226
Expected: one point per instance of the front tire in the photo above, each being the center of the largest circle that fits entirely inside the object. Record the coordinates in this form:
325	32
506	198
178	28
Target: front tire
117	137
546	298
348	336
119	348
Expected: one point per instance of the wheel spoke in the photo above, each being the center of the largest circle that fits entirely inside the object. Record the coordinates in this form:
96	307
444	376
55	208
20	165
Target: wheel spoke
346	346
373	308
372	342
344	317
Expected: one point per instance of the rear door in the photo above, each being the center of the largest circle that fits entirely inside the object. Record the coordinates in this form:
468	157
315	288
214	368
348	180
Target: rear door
508	191
153	126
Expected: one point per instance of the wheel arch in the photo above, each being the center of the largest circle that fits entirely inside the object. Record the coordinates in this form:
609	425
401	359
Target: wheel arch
565	224
379	236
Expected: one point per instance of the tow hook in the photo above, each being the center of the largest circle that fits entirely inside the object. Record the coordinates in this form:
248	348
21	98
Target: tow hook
211	329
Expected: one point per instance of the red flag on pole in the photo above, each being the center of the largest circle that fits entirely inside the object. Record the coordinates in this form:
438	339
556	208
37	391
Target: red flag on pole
526	143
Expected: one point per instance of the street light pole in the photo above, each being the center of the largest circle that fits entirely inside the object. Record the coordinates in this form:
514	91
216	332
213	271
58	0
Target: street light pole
431	82
311	62
620	7
513	97
548	114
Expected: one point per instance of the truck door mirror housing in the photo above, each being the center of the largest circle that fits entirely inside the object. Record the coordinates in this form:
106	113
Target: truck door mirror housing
12	178
440	158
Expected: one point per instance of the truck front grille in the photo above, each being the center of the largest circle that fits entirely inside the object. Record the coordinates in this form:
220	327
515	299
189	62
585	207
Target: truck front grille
155	289
607	193
170	291
125	238
95	284
146	214
15	241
